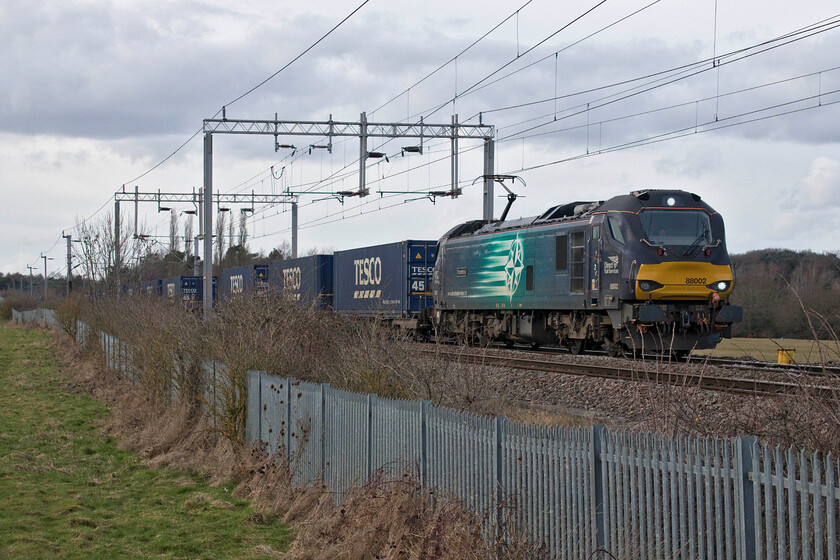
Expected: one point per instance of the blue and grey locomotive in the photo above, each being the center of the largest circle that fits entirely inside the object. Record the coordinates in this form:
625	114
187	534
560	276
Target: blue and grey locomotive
644	271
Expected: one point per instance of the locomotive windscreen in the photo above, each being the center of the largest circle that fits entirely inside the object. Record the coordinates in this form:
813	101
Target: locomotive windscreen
676	227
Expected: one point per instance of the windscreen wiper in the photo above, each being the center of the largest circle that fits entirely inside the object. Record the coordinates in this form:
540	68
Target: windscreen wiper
690	251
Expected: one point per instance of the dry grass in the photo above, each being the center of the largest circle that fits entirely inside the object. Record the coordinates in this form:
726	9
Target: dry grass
269	333
386	518
383	519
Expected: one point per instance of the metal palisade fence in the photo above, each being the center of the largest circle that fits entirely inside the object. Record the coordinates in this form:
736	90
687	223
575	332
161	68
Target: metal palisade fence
572	490
41	316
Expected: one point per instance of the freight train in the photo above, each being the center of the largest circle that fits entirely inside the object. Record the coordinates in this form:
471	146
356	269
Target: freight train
644	271
647	271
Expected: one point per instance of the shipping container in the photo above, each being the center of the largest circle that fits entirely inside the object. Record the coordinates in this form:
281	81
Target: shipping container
151	287
243	279
236	281
129	289
392	280
308	280
188	290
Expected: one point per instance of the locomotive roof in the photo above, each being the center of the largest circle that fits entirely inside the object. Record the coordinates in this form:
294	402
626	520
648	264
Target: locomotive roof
633	202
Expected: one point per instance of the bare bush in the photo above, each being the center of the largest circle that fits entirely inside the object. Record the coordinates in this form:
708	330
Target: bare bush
15	299
68	312
385	518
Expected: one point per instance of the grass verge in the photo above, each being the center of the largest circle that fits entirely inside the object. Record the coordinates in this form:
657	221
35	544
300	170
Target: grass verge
67	491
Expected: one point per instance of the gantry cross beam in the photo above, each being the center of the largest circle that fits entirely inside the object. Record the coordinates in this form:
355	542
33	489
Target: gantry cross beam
196	198
329	129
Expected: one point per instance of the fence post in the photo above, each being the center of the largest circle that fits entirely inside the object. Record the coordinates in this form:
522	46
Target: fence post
424	442
500	430
747	489
598	482
369	430
288	431
323	434
261	415
216	399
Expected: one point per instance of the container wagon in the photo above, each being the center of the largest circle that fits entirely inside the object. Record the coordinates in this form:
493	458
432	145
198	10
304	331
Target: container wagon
391	281
243	279
308	280
187	290
151	287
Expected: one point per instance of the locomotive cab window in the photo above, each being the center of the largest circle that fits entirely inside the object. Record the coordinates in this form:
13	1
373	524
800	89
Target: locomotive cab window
529	277
561	252
676	227
615	230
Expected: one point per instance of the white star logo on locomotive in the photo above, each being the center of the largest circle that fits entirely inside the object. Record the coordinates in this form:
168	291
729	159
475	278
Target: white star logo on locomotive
514	266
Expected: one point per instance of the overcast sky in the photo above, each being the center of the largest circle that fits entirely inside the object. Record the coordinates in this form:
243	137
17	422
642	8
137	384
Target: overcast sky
588	99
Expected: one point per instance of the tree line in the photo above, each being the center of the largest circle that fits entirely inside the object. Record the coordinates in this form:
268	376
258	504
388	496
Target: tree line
794	294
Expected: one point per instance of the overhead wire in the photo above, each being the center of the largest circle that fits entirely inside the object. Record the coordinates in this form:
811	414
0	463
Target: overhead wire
519	55
830	21
334	176
674	134
498	69
579	17
238	98
674	75
709	126
519	135
436	70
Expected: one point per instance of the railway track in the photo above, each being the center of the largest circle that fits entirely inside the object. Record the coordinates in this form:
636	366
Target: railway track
799	369
733	363
632	372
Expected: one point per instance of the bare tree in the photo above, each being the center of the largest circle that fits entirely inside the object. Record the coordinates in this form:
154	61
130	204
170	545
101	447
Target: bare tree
174	241
220	237
231	236
97	251
243	230
188	238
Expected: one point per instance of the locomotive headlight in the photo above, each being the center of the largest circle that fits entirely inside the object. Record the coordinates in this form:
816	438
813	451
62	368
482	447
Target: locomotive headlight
720	286
649	285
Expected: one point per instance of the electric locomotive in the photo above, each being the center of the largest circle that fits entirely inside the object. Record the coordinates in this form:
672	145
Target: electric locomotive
648	271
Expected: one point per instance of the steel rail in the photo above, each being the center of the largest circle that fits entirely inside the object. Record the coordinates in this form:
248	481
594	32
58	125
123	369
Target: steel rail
796	368
620	373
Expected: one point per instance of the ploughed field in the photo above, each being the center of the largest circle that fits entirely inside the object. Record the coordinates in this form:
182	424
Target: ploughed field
767	349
